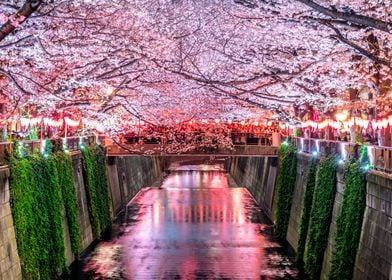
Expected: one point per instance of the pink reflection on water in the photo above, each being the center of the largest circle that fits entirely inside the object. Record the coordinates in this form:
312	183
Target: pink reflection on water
196	227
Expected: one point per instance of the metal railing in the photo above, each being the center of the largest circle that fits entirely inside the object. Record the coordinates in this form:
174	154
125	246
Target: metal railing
380	157
71	143
263	139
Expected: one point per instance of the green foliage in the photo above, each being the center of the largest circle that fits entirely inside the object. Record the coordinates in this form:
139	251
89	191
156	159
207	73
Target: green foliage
48	147
364	158
320	217
285	188
23	197
36	206
64	164
96	185
305	217
349	222
33	134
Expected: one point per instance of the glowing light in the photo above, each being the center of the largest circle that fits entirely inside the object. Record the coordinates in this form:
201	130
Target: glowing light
342	116
72	123
343	150
43	146
314	153
109	91
371	154
53	123
285	142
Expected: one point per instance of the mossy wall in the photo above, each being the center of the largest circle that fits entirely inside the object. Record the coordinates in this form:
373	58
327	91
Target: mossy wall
61	203
332	227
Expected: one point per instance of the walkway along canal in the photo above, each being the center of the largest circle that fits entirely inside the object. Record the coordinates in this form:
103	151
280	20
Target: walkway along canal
197	225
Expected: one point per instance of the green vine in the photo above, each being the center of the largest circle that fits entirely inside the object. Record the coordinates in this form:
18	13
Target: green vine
285	187
36	206
320	217
96	185
307	206
22	193
64	166
349	222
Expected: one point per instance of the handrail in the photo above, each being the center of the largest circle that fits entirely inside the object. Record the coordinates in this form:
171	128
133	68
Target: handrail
72	143
380	157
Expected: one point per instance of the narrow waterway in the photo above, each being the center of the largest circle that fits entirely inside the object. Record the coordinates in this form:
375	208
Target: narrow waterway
198	225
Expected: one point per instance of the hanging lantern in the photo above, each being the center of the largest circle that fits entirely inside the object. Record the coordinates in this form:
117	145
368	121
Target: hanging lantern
53	123
35	121
365	123
25	122
384	123
72	123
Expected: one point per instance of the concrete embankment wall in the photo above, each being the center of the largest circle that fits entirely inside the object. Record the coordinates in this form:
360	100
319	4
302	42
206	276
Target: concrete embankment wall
126	176
258	174
374	256
9	258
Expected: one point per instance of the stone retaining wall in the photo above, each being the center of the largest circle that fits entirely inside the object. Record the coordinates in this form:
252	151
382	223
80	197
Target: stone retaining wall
258	174
374	258
303	163
9	258
126	176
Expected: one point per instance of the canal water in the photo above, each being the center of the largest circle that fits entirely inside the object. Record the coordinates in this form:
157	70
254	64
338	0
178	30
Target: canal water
197	225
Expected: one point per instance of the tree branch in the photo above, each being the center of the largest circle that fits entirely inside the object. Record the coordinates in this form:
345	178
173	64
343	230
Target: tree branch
350	17
358	48
29	7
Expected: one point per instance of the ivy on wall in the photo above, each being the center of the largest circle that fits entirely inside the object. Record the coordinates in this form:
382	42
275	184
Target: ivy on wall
36	207
96	186
41	188
65	174
285	187
320	217
349	222
307	206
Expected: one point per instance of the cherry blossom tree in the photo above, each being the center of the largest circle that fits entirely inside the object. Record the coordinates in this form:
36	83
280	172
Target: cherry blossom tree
160	61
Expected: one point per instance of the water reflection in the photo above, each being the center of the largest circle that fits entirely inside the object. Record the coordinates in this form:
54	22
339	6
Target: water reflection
195	227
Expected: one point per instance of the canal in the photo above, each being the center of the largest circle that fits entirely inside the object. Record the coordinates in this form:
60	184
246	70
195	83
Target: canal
197	225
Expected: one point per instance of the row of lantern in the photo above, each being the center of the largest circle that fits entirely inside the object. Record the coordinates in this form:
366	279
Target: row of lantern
362	123
30	122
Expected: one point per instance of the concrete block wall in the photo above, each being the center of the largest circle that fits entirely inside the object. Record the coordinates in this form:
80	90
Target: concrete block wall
126	176
303	163
132	173
87	236
9	259
337	206
374	257
258	175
